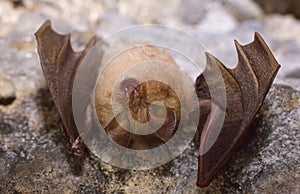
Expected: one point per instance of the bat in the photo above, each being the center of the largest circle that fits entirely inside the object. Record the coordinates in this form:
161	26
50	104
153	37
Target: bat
141	97
60	63
246	87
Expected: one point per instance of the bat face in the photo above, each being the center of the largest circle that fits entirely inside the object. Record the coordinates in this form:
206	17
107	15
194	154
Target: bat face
152	102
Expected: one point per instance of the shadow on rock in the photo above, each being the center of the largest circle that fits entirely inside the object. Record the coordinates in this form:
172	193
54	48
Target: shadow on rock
52	124
246	151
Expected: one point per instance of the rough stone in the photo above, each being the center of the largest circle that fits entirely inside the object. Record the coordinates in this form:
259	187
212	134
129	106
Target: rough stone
35	157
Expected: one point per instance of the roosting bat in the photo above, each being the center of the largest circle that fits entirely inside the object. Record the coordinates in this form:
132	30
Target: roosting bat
246	88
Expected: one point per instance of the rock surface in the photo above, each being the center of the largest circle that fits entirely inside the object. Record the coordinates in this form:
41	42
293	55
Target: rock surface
34	155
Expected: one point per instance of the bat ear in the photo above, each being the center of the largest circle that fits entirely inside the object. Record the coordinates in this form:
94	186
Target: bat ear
246	87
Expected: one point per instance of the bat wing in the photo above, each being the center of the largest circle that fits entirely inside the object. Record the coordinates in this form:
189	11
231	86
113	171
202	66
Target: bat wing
246	87
59	63
139	142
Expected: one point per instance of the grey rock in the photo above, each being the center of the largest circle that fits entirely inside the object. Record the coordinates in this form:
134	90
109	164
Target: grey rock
217	20
7	91
243	10
286	46
111	22
192	11
35	157
145	12
277	25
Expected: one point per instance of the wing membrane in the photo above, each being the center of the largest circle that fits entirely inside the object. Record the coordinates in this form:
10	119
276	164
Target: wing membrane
59	63
246	87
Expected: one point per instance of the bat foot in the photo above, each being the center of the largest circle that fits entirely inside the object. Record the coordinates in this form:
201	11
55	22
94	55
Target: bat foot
77	147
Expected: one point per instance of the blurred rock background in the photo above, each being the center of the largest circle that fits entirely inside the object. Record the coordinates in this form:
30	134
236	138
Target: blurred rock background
216	23
283	7
33	152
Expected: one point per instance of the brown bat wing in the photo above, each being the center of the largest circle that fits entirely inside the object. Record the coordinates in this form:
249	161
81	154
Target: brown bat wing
246	87
59	63
140	142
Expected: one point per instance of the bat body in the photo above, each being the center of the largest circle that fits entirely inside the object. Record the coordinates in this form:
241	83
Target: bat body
130	87
246	87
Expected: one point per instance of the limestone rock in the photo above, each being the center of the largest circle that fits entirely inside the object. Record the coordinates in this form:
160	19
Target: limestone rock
35	157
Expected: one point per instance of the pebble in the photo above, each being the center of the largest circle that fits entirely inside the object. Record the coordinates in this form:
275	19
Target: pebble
7	91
